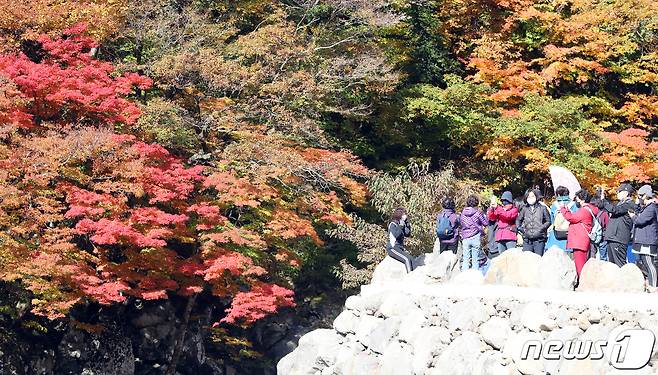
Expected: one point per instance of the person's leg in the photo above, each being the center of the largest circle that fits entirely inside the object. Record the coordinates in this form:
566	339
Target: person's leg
501	247
527	245
617	253
510	244
579	258
603	250
475	251
646	264
402	256
466	254
538	247
453	248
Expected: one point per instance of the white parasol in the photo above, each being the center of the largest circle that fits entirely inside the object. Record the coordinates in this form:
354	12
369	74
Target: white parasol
563	177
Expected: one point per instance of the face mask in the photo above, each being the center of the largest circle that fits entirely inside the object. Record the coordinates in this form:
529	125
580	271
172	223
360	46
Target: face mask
578	204
622	195
532	200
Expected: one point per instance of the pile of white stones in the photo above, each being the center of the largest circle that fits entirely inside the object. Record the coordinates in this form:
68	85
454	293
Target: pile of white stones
437	320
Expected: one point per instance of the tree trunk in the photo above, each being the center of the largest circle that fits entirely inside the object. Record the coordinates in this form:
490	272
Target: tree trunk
178	345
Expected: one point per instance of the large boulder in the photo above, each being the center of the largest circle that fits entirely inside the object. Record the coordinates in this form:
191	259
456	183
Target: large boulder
441	268
558	271
458	357
515	267
316	351
513	350
602	276
388	270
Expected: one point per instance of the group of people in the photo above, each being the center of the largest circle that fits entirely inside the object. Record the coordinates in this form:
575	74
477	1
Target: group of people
585	226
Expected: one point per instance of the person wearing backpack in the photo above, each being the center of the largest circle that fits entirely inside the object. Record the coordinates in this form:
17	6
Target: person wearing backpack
645	238
398	229
472	223
447	224
618	231
533	222
505	218
603	217
557	233
582	226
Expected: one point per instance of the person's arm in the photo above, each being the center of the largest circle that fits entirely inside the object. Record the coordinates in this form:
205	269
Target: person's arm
618	210
519	220
483	221
546	222
406	229
492	213
574	217
644	217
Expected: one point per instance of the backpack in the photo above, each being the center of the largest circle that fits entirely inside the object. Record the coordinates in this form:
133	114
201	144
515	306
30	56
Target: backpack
444	229
596	234
560	226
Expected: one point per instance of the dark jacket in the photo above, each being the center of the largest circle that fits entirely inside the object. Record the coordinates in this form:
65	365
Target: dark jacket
534	221
646	225
472	222
620	223
396	235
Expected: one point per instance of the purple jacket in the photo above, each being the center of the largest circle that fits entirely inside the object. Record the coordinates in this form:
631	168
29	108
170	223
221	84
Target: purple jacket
472	222
454	220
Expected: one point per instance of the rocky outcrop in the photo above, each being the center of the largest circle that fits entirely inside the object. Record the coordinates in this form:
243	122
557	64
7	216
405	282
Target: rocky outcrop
437	320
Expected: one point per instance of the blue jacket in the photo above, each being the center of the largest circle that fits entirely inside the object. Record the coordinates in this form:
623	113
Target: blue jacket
646	225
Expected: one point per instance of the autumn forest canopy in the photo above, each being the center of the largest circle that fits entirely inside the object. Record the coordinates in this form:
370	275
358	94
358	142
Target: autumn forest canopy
241	154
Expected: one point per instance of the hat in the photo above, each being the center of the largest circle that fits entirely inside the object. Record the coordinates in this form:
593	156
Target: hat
507	196
625	187
645	190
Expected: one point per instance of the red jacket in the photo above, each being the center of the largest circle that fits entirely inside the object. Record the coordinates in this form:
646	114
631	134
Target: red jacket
505	218
579	227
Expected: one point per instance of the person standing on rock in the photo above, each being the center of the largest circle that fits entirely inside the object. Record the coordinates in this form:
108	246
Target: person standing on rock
533	222
398	229
505	218
472	223
618	232
447	226
580	226
645	238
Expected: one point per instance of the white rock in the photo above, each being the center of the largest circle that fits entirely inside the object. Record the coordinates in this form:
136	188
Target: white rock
346	322
388	270
515	267
558	271
395	304
442	267
492	363
353	303
631	279
316	351
427	346
495	331
534	315
514	347
396	360
412	325
468	314
379	337
459	356
562	334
